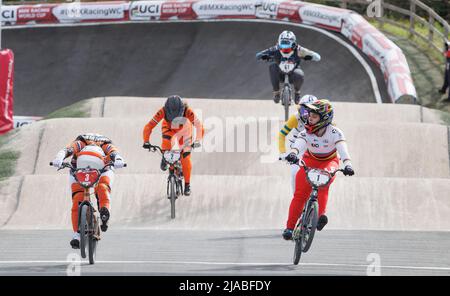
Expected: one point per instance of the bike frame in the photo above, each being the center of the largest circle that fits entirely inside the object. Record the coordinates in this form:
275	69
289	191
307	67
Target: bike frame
92	215
314	188
175	178
305	226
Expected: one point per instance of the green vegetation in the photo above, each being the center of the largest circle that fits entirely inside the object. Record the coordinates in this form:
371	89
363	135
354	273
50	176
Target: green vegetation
8	157
79	109
426	65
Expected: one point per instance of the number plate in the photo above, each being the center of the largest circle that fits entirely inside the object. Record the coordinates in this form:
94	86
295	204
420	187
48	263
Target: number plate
171	156
287	66
318	177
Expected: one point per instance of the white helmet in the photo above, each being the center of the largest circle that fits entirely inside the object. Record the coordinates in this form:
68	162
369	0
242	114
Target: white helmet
287	42
91	156
306	99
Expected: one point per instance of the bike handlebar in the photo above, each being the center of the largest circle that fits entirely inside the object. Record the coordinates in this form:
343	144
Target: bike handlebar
153	148
68	165
301	163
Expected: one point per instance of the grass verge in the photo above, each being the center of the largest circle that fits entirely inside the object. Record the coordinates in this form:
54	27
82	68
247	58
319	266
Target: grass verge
79	109
8	157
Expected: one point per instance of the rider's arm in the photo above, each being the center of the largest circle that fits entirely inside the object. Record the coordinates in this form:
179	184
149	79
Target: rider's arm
110	150
288	126
341	146
151	124
299	146
342	149
199	130
73	148
67	151
303	52
266	52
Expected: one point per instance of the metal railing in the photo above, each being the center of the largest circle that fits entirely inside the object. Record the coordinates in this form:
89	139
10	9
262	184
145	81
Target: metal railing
418	12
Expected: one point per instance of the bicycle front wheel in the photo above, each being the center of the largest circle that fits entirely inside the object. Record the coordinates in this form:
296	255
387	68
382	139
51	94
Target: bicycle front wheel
309	226
92	246
298	247
172	196
286	101
83	228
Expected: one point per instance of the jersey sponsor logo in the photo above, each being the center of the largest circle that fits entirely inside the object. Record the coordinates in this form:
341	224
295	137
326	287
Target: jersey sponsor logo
315	145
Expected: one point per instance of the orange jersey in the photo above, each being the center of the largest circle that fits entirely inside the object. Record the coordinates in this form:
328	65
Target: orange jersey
171	126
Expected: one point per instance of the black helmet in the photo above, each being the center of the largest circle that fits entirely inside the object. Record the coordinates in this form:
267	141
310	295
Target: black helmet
173	108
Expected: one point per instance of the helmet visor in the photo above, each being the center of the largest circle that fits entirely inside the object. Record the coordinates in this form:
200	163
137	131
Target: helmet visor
285	44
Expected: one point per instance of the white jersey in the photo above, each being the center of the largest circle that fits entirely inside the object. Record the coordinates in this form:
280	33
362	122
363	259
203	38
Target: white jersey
324	147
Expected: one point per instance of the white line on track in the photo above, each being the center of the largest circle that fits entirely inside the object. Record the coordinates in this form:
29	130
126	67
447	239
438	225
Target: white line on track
226	263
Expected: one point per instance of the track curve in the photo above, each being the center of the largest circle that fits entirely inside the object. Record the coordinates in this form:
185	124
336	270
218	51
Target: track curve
58	66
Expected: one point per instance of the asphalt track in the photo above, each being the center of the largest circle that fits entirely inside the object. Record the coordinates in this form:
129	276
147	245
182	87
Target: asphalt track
58	66
244	252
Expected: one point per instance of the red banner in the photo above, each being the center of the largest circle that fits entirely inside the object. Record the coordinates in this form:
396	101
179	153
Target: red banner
6	90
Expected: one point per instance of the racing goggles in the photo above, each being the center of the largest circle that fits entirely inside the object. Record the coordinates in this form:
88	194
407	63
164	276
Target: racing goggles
286	46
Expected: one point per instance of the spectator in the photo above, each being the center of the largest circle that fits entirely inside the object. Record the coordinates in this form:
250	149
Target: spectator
447	70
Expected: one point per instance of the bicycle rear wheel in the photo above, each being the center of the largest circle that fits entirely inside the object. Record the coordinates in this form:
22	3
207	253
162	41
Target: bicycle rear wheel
83	228
309	227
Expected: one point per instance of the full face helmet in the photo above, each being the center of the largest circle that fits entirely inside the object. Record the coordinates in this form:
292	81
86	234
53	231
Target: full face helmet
287	42
306	99
324	109
173	108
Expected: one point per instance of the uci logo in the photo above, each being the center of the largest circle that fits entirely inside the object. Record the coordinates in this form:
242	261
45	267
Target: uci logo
148	8
7	14
268	6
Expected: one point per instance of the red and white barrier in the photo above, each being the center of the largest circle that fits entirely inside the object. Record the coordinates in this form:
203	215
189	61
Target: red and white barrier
353	26
6	90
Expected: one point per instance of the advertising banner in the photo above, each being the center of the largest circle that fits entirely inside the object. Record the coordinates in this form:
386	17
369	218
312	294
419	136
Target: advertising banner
211	9
6	90
76	12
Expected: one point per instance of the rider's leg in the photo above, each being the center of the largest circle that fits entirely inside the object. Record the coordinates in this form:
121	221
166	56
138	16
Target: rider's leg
294	171
185	137
301	194
167	141
103	193
297	78
186	164
275	77
329	165
77	198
